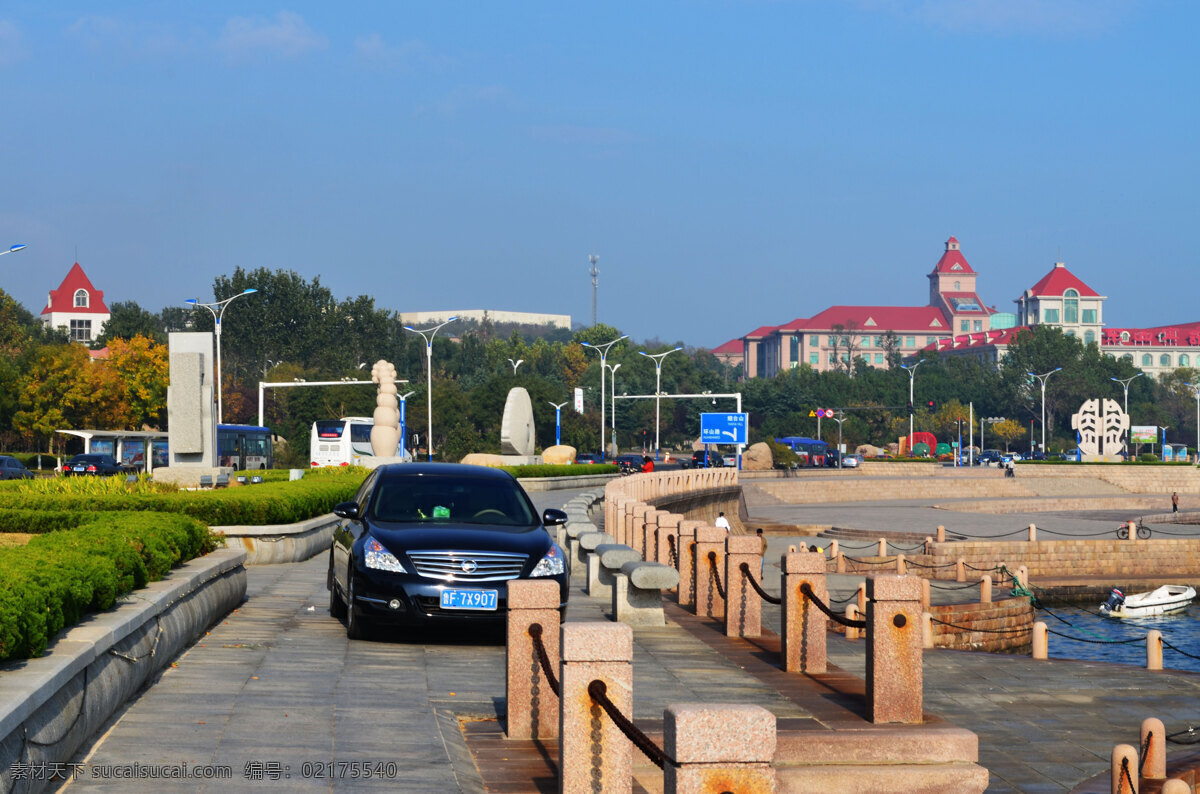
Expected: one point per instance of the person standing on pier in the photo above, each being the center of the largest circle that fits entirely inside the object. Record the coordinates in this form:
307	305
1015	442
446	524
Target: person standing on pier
1174	501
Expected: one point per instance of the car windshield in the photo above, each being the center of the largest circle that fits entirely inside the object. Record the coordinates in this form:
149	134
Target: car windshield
446	500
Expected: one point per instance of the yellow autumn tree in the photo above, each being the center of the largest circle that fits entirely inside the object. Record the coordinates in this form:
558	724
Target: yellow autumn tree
141	366
65	389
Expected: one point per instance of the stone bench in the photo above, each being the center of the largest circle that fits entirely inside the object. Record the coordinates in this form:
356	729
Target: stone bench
604	563
584	544
637	592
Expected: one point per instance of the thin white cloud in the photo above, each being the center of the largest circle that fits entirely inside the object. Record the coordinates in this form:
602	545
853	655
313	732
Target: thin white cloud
287	35
106	35
412	53
12	43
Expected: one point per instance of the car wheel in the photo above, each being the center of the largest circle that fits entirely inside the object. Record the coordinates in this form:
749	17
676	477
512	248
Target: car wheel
355	627
337	605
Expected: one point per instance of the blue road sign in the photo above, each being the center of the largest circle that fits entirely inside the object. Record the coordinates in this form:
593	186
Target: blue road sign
723	428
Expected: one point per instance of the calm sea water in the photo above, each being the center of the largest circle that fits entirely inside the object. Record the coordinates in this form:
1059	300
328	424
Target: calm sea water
1181	630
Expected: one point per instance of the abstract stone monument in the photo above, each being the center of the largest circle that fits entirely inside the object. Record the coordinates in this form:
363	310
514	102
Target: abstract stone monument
191	412
385	435
1102	426
516	427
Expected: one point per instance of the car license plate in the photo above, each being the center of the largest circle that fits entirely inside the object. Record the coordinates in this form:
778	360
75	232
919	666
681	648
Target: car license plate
482	600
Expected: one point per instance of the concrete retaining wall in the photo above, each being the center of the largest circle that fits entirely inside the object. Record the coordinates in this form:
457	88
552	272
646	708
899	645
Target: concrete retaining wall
1012	616
278	543
51	705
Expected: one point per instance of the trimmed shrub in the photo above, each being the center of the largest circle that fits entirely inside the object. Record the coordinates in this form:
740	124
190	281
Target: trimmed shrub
571	470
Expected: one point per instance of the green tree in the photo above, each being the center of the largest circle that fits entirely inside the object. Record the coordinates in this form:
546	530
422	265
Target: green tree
128	320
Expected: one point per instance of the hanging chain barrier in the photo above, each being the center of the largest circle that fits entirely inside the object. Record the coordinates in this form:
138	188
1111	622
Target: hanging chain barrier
770	599
982	631
966	586
923	565
716	575
1142	754
598	690
1002	534
850	597
535	634
993	569
672	553
807	590
1143	532
1125	778
1096	642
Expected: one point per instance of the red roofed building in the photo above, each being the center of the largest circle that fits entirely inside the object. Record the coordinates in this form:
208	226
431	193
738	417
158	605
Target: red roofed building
76	306
731	353
1061	299
842	334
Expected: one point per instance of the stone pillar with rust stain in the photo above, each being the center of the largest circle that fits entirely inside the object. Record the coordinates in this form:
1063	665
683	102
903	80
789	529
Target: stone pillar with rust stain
532	704
895	678
667	538
641	527
743	604
687	565
594	755
718	748
710	540
803	624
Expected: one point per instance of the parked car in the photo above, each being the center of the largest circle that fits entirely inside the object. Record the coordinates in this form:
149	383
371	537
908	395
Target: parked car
13	469
435	543
851	460
587	457
990	456
94	464
730	460
702	459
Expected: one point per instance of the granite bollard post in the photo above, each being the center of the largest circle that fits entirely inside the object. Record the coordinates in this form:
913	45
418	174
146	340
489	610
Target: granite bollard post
1041	644
594	755
710	540
718	748
1154	763
668	537
687	563
641	526
960	570
883	547
743	605
1033	533
852	614
532	704
804	625
1154	650
941	534
1124	772
895	678
833	549
985	589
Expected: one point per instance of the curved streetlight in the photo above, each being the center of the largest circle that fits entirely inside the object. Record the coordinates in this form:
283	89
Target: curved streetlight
603	392
516	364
12	249
1125	385
658	359
912	377
613	435
1043	379
429	380
218	310
558	421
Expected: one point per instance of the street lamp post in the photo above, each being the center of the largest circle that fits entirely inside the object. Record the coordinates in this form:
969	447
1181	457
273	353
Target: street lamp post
516	364
1125	385
1043	379
603	392
429	377
658	359
218	311
912	376
613	435
12	249
558	421
403	424
1196	389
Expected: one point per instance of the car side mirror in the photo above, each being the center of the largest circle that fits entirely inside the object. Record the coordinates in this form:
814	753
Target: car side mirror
553	518
346	510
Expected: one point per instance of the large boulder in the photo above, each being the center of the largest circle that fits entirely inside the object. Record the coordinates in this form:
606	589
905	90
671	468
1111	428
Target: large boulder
758	457
561	455
483	459
868	450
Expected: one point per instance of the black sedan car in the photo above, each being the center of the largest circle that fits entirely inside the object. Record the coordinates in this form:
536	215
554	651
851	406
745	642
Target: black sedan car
95	465
430	544
13	469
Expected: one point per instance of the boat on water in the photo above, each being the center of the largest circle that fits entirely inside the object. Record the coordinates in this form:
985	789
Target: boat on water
1165	600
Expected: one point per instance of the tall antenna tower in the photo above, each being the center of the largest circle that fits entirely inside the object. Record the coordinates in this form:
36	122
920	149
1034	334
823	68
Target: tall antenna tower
595	273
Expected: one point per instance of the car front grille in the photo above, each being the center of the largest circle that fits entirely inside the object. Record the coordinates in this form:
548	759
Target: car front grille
468	566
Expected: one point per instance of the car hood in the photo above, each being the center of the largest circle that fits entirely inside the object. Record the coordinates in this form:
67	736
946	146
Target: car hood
401	538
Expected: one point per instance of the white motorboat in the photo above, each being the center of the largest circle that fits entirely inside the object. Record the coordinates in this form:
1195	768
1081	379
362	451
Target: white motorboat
1165	600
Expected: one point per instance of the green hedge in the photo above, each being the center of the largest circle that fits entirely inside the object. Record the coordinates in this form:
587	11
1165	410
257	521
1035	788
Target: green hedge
265	503
53	581
570	470
36	522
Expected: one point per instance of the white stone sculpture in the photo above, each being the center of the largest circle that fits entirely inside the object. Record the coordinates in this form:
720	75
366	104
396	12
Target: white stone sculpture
516	427
385	435
1102	426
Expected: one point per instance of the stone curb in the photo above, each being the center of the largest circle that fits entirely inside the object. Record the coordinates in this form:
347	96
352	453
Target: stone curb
272	544
532	484
51	705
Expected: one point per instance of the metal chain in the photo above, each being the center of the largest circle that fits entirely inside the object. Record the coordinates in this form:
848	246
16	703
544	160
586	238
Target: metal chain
535	634
770	599
715	574
807	590
1179	650
674	555
863	561
973	568
599	693
1096	642
956	587
1142	754
982	631
922	565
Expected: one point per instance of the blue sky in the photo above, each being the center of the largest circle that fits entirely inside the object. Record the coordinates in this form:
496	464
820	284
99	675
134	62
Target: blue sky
733	164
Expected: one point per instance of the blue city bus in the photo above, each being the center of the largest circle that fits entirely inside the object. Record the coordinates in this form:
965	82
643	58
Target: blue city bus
811	451
245	447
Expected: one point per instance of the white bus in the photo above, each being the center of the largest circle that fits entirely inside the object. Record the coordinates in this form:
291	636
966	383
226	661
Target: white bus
343	442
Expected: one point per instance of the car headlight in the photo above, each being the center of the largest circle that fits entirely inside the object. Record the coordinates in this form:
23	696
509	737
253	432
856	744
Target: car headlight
376	556
552	564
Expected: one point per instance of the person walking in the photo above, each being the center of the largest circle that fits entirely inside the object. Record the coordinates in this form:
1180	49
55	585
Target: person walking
722	521
762	568
1174	501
